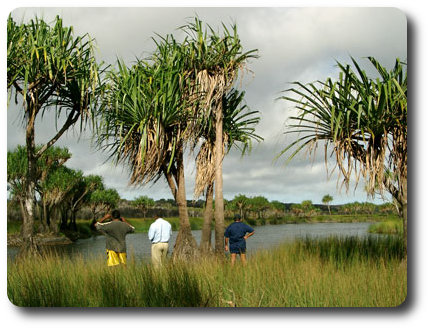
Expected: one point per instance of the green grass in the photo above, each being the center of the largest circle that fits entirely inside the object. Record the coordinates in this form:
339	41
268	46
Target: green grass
391	226
330	273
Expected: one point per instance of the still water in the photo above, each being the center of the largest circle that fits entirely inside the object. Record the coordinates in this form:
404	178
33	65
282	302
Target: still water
265	237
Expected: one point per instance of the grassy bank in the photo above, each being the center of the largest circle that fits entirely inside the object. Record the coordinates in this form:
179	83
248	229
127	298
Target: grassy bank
389	226
328	273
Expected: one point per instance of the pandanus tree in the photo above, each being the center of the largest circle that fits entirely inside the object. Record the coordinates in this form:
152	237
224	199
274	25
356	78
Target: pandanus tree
213	62
143	203
363	121
55	188
327	199
78	196
157	107
144	125
48	69
101	201
17	168
238	129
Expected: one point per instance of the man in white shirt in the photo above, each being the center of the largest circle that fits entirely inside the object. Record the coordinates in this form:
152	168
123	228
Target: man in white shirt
159	234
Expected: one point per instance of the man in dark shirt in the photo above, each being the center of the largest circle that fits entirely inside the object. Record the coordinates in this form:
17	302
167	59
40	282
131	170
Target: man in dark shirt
237	233
115	232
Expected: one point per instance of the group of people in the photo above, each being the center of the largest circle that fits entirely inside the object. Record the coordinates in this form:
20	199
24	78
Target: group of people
159	234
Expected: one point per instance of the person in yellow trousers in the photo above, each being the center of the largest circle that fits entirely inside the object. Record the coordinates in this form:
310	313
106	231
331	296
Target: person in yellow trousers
115	232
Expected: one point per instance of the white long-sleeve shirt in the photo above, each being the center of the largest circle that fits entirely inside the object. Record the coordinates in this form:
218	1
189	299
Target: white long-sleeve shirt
159	231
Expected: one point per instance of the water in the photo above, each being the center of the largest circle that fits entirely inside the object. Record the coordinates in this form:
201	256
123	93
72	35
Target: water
265	237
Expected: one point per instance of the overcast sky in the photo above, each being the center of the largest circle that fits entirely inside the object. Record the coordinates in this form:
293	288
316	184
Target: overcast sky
294	44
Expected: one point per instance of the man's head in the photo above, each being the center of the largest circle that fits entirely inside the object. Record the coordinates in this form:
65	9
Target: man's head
237	217
116	215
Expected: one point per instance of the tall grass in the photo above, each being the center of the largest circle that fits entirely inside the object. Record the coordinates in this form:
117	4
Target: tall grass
387	227
305	273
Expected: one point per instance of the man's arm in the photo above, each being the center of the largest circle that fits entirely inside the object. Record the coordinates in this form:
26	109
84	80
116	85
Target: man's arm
131	226
226	243
151	233
248	235
106	216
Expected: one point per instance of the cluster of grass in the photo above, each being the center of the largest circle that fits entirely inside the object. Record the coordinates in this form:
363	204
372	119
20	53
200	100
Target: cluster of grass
344	251
390	226
305	273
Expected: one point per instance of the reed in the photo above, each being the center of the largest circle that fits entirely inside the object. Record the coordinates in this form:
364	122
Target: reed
307	273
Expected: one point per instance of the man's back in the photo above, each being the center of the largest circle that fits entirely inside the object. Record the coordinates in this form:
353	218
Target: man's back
236	231
160	231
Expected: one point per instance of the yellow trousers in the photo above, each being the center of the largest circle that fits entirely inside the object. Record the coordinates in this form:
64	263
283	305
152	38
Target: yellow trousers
115	258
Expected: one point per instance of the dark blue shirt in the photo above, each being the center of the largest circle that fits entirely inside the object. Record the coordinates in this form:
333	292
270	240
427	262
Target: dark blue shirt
235	233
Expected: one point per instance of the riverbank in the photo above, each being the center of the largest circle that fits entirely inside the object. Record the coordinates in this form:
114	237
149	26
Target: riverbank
48	239
347	272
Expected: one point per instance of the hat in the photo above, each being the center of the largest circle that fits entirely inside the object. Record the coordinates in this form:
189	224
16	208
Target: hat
237	217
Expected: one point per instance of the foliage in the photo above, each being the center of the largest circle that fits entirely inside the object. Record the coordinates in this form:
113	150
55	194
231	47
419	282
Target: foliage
304	209
327	199
364	119
51	64
17	167
103	200
392	227
143	203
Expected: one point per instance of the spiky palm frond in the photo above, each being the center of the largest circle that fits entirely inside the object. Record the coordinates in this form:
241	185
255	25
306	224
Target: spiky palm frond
364	120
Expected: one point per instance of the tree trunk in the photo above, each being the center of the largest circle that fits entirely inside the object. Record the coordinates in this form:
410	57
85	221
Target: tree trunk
185	245
404	205
219	198
205	243
45	216
28	244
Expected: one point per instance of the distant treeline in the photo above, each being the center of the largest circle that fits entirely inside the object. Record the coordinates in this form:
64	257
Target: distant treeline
261	209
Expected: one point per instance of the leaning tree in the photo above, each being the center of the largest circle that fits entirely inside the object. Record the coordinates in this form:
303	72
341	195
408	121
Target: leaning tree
144	124
363	121
327	199
48	69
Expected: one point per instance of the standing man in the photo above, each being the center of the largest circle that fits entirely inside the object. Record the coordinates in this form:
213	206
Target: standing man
115	232
237	233
159	234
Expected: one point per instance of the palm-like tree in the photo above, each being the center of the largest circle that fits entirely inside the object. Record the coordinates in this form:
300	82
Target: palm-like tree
363	121
238	128
213	62
50	69
158	106
143	203
144	124
327	199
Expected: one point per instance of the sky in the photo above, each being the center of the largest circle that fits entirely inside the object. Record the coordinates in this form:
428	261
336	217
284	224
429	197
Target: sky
294	44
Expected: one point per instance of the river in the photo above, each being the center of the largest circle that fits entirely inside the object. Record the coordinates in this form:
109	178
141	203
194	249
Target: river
265	237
